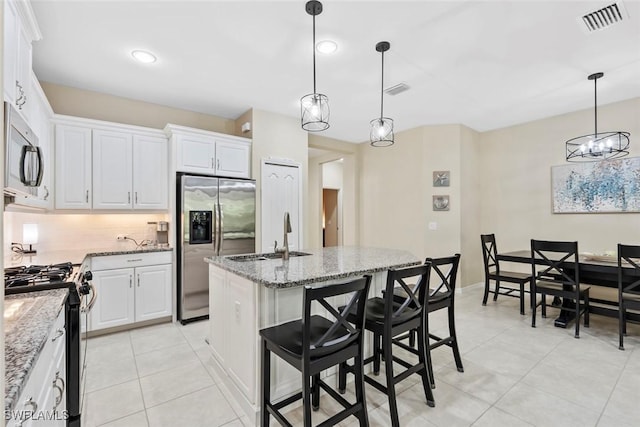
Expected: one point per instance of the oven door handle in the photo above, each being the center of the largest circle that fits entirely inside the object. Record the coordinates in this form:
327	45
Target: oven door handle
92	301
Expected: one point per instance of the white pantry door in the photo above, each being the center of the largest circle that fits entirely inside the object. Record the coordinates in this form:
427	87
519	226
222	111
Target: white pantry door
280	193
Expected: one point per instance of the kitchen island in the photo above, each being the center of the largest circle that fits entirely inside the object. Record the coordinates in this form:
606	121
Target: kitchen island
247	294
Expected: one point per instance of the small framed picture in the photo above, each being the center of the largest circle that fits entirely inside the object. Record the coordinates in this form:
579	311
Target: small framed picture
440	178
440	203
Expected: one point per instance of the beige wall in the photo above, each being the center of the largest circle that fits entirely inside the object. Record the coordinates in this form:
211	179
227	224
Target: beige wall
516	181
277	136
94	105
396	188
470	199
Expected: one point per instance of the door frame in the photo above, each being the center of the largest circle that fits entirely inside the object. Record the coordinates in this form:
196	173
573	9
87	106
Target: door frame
286	163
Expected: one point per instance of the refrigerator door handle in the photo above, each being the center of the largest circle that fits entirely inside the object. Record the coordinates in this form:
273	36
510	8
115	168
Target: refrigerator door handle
214	229
220	227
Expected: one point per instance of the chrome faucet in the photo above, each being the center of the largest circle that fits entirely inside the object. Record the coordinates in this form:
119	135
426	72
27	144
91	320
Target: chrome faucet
284	250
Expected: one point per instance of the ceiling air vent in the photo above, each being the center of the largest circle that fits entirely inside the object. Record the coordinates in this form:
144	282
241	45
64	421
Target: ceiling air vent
603	18
399	88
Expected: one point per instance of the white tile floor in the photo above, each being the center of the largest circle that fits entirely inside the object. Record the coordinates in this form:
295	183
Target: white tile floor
514	376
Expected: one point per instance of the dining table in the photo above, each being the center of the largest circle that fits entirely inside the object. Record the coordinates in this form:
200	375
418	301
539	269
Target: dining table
599	270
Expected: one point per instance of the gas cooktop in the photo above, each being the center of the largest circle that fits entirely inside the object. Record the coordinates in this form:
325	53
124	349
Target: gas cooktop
37	277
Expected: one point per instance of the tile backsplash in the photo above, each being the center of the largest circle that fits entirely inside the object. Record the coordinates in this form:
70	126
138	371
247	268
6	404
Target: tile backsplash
81	231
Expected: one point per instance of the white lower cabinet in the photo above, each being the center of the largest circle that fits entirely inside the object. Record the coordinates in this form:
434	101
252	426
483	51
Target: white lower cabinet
132	294
43	398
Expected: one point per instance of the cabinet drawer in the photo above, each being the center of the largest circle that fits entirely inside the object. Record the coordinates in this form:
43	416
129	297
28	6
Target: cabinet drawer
111	262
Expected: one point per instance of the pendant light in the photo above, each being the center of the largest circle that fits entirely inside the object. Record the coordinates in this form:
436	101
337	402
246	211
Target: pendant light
315	106
381	134
599	145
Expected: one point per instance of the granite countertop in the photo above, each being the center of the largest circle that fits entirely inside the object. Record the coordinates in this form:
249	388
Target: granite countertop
75	256
323	264
28	319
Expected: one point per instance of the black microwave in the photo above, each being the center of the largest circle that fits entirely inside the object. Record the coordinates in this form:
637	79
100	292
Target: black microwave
23	158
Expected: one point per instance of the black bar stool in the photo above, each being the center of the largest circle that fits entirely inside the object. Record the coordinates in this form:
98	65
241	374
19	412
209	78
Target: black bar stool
389	317
315	343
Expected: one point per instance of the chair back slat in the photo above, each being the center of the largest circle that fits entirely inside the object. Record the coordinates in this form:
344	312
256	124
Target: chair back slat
446	270
629	257
358	289
415	298
489	253
555	261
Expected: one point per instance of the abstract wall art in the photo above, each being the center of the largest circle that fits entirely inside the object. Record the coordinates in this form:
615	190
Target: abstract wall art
598	187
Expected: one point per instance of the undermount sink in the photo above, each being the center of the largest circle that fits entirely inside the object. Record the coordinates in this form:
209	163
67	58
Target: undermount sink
264	257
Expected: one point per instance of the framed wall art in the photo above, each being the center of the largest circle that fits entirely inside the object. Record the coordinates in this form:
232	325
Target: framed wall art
441	203
441	178
599	187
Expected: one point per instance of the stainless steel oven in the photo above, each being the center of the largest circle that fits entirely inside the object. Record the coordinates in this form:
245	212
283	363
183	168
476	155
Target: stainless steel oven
23	158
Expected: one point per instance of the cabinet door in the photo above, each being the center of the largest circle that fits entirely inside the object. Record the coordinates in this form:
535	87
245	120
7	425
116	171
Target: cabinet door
153	292
114	304
23	73
196	154
217	313
242	329
73	167
10	52
41	125
150	178
112	170
233	159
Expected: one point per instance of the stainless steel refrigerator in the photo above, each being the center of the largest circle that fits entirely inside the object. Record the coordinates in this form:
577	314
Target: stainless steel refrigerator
217	217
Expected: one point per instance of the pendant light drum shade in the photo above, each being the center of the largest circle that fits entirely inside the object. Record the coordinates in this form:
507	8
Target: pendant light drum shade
598	145
315	112
381	134
314	107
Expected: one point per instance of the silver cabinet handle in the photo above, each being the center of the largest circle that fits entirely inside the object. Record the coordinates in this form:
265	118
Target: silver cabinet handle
46	195
134	260
34	406
213	166
138	280
59	333
86	197
217	163
60	389
130	281
136	199
128	196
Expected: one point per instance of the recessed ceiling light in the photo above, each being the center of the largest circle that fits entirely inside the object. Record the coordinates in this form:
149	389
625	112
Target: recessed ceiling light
144	56
327	46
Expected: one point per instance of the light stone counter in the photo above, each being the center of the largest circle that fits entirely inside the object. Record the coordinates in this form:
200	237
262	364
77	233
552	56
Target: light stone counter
322	265
28	320
75	256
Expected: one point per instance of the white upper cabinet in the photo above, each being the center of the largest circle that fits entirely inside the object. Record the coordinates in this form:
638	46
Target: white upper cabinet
196	154
150	172
112	170
233	158
20	30
40	112
210	153
73	167
127	167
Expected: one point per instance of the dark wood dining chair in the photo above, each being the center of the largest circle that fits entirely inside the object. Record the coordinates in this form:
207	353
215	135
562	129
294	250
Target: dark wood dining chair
555	272
314	344
389	317
628	285
504	279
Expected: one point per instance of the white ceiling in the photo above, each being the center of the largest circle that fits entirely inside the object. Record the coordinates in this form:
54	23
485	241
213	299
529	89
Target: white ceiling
484	64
